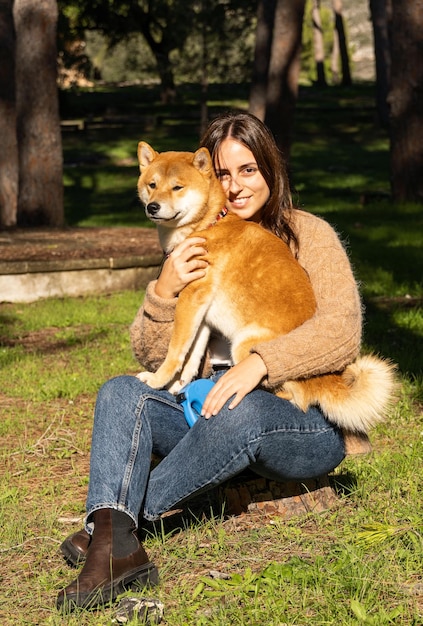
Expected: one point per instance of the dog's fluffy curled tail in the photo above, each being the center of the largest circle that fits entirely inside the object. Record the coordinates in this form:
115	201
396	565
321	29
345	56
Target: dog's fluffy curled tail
356	400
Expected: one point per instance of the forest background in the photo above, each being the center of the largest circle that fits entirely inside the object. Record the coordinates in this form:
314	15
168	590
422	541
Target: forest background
271	45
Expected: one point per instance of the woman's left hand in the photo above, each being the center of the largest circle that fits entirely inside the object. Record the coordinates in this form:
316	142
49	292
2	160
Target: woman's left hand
237	381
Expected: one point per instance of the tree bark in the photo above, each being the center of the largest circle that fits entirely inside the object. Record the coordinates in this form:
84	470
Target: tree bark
406	100
204	113
161	51
9	164
318	44
340	42
284	70
40	201
263	47
379	15
164	67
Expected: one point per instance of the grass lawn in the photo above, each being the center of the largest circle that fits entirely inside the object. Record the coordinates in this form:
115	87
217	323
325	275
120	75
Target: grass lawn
358	563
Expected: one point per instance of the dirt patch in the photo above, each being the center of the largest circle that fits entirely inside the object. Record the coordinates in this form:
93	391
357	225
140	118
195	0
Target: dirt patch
49	244
50	340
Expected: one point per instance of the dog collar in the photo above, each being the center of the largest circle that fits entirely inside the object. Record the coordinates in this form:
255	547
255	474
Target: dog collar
219	217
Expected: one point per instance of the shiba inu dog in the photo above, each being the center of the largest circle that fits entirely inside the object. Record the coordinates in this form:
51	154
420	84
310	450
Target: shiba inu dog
254	290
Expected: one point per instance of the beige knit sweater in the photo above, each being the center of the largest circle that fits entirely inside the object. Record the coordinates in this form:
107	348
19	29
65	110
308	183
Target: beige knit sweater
327	342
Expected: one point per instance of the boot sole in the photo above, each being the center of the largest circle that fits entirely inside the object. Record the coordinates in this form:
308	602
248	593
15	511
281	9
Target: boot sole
147	575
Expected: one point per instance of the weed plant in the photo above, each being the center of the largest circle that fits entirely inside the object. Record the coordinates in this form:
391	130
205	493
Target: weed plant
359	562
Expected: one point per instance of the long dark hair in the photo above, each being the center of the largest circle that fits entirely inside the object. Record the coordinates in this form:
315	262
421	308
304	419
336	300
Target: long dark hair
252	133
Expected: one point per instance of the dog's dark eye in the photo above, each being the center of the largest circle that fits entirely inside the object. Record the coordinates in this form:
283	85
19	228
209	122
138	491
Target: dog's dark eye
152	185
177	187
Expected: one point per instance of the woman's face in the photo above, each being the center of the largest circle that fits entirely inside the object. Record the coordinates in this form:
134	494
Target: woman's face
245	188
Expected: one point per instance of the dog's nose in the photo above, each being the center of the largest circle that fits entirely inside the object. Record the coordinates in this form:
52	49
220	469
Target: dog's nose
153	208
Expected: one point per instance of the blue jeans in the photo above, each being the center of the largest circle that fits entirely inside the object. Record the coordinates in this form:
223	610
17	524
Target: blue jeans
265	433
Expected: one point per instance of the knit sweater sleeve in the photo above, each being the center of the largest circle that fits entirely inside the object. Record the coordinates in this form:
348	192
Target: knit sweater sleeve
331	339
152	328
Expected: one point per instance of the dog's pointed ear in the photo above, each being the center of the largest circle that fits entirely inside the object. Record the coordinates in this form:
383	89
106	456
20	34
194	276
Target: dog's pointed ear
202	161
146	155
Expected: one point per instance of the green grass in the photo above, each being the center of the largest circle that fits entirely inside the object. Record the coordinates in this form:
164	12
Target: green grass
358	563
54	349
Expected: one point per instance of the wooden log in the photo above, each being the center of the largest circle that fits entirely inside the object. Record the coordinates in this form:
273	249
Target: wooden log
282	499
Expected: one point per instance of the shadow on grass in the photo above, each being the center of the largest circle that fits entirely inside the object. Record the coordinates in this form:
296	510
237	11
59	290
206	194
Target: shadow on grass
344	484
103	196
384	335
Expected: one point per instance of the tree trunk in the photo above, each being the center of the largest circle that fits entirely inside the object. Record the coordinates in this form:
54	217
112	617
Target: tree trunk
284	69
379	14
335	56
204	111
40	201
160	50
9	165
263	47
406	100
341	42
164	67
318	45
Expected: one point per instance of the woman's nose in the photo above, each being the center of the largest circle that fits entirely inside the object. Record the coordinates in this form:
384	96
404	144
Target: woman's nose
234	185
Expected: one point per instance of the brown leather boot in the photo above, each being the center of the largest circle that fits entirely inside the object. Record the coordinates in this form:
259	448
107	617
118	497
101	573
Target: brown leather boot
74	548
115	560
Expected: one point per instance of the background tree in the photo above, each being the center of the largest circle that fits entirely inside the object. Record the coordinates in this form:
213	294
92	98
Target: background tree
40	199
164	25
406	100
183	39
9	149
278	90
340	47
263	47
380	11
318	44
226	29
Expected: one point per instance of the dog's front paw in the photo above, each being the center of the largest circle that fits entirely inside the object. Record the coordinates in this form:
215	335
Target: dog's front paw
149	378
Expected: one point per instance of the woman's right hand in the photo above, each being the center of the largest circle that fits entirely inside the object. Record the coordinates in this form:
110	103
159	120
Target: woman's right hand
182	267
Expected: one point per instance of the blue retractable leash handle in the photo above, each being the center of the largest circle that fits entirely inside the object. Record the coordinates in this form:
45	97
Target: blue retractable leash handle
192	397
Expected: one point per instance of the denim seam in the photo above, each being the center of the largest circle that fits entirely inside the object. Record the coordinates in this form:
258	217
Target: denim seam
133	453
147	396
301	431
135	444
